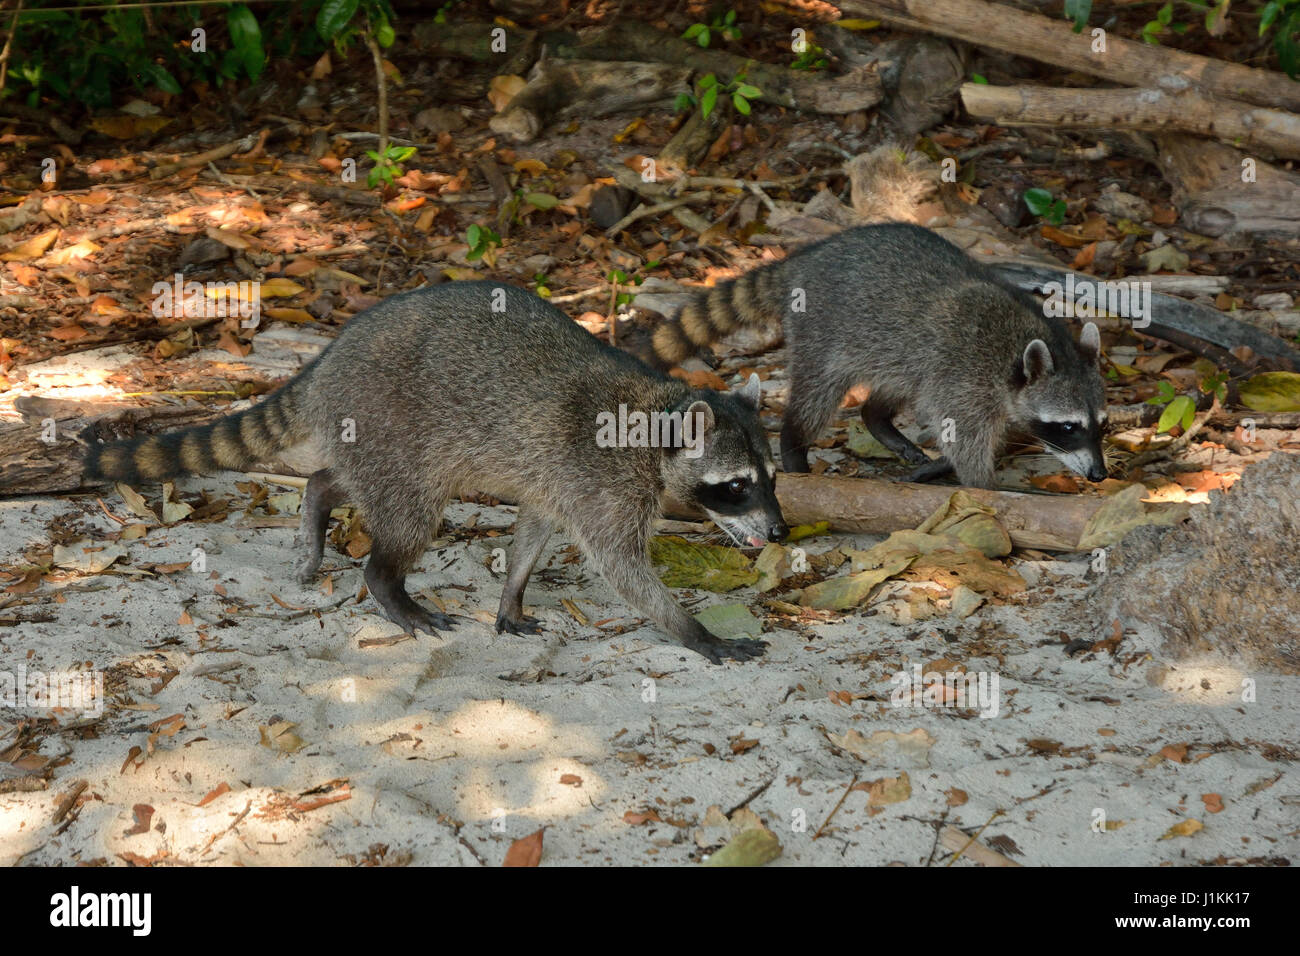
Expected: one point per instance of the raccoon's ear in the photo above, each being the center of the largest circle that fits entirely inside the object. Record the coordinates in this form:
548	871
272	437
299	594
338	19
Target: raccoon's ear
751	393
1090	342
703	424
1037	361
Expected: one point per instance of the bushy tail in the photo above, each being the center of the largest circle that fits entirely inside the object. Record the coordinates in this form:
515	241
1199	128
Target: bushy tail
757	298
236	442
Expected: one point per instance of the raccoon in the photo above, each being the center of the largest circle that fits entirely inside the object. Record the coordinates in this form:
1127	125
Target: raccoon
901	310
484	386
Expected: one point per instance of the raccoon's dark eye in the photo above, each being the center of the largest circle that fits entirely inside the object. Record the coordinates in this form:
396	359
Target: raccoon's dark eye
1068	427
737	487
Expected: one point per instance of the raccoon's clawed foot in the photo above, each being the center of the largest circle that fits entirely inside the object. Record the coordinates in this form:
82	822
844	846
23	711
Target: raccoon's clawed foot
422	619
305	570
715	649
524	624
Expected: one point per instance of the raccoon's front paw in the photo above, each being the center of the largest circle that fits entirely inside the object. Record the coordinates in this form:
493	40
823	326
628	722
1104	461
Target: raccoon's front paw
715	649
305	570
523	625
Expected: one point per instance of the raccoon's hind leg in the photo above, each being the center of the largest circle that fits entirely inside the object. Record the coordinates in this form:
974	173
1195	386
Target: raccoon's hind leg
321	496
878	416
807	411
386	578
531	534
400	528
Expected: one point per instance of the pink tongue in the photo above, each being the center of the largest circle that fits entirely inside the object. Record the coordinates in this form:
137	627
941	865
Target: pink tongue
755	541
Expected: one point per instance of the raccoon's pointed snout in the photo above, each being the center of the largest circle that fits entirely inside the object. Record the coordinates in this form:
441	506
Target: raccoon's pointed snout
778	531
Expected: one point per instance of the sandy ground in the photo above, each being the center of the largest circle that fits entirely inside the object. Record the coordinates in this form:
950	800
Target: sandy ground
445	750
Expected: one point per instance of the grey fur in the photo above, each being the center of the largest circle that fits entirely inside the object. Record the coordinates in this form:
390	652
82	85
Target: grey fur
901	310
446	393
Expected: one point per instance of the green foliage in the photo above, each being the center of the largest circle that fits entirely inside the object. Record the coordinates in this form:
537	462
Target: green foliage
1283	16
1078	12
481	240
811	58
99	51
708	89
388	166
1181	409
724	26
1041	204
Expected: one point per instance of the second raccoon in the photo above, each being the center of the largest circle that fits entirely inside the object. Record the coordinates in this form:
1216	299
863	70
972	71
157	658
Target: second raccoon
899	309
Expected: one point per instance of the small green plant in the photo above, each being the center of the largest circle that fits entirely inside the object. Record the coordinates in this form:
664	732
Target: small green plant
812	58
388	165
482	241
724	26
1181	409
708	90
1284	17
1164	21
1078	12
1041	203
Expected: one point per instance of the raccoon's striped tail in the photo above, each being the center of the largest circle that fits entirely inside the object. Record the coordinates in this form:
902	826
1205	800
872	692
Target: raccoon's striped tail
237	442
757	298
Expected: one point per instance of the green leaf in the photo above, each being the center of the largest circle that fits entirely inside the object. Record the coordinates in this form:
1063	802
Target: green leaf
684	101
334	15
693	31
708	101
474	235
1269	14
691	565
1165	15
976	78
1180	408
161	78
749	92
1039	201
1056	213
1078	11
703	38
384	33
541	200
707	81
400	154
1272	392
740	103
246	38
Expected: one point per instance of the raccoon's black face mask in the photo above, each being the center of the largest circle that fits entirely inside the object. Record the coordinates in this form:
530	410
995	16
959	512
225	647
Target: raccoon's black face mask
1076	444
732	479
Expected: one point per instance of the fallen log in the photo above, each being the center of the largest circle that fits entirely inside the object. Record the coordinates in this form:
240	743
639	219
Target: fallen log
858	89
1220	191
1037	37
875	506
29	464
1172	319
588	88
1188	111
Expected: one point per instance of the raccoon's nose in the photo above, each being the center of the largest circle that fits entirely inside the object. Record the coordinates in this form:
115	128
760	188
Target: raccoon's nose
778	532
1096	473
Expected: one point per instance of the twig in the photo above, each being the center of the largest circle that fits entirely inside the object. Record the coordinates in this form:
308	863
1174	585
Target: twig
244	144
836	809
382	86
4	54
1177	445
641	212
